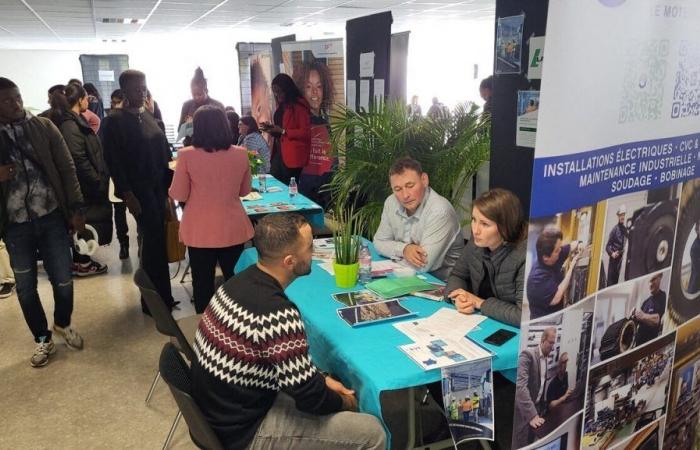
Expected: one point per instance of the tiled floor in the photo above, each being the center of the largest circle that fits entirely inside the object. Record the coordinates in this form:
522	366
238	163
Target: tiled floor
93	398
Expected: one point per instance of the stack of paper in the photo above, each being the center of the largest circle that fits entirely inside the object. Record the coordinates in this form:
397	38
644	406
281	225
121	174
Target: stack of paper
440	340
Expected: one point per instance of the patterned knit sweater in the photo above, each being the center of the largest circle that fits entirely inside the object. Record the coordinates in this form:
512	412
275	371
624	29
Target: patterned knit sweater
250	345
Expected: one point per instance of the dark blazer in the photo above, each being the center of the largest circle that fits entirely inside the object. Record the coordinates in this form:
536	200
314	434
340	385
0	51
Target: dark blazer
507	279
527	386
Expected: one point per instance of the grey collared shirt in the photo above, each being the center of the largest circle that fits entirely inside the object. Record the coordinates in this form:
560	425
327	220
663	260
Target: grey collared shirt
434	226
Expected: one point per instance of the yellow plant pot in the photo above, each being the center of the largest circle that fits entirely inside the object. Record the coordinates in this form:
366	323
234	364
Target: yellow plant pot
346	275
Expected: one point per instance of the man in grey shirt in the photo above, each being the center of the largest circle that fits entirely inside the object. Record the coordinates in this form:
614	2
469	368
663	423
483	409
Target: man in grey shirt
418	225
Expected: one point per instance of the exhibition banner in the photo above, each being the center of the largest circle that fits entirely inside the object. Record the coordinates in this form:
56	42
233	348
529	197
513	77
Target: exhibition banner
610	348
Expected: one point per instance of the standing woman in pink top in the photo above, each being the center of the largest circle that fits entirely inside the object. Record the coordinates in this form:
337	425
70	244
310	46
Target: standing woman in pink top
210	177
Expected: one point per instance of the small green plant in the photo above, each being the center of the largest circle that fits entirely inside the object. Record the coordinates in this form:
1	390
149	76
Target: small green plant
346	236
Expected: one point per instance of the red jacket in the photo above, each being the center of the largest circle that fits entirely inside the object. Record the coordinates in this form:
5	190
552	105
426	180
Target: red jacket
296	140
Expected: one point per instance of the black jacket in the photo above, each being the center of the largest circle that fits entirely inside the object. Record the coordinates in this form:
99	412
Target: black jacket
90	166
55	160
507	277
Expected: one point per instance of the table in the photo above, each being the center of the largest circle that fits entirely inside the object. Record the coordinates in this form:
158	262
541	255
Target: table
367	358
272	202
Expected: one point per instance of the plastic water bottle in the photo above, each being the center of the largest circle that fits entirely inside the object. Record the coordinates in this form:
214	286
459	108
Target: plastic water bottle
293	189
365	265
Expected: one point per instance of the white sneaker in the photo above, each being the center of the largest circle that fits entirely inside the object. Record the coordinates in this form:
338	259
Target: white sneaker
70	336
41	354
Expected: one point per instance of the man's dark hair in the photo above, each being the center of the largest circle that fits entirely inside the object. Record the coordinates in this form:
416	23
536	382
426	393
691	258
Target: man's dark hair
129	75
91	89
251	123
56	87
276	234
487	83
547	241
405	163
287	85
75	81
210	129
118	94
6	83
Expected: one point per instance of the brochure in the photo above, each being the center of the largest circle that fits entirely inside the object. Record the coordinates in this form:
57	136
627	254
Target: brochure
437	294
444	352
467	396
353	298
373	313
397	287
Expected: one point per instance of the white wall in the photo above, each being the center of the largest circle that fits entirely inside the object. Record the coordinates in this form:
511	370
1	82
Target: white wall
441	58
35	71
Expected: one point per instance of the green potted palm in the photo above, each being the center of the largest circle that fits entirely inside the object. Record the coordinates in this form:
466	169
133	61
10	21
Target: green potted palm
450	149
347	247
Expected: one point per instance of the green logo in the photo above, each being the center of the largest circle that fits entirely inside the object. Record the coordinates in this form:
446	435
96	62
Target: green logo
536	58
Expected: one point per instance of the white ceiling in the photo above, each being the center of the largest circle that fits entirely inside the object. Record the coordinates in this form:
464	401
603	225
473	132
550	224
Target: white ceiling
50	22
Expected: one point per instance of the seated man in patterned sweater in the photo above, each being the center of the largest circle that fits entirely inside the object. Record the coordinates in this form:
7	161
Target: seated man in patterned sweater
253	378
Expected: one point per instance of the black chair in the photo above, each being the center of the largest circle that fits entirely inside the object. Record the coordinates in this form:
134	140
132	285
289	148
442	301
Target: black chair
176	374
181	332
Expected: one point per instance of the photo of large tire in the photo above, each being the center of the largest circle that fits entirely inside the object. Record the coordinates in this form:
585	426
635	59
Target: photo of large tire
683	306
618	338
651	239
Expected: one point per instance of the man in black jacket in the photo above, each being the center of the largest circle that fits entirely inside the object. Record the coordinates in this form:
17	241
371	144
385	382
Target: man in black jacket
137	154
253	377
616	246
39	194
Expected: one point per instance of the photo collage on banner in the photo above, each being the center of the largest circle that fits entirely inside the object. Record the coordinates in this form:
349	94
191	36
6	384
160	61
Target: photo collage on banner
317	68
262	100
610	335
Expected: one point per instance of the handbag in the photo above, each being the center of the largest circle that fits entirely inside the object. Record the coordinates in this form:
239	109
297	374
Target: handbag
175	248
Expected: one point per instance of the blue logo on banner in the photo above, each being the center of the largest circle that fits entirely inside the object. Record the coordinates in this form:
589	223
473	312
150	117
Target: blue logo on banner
565	182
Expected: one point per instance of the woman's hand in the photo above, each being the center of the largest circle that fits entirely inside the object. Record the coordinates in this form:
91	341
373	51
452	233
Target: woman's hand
465	302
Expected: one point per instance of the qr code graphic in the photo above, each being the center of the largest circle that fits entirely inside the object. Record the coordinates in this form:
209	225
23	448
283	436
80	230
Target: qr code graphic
686	89
643	83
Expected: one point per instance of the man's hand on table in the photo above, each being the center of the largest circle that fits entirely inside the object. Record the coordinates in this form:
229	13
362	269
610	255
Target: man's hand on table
348	395
416	255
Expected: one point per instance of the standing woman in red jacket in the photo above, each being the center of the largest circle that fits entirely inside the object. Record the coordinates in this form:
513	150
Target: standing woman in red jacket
291	130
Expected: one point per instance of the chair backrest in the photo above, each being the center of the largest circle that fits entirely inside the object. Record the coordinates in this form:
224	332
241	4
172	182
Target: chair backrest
165	323
176	374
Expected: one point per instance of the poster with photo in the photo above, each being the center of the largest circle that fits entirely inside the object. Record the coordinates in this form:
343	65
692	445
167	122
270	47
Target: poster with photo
509	42
262	100
614	228
526	124
467	395
317	68
627	393
552	370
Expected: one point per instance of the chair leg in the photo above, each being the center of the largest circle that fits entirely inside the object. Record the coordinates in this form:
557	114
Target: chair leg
153	387
172	431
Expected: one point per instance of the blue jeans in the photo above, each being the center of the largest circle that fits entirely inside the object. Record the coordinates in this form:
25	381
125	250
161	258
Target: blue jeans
48	235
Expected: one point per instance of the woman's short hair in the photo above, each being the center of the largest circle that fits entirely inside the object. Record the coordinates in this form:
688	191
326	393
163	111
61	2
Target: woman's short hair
326	81
250	122
211	130
287	85
504	208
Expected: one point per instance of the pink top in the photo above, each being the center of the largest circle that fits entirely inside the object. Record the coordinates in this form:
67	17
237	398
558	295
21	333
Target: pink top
92	119
211	184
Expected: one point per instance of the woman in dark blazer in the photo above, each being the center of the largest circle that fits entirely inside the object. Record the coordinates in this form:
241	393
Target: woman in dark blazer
291	130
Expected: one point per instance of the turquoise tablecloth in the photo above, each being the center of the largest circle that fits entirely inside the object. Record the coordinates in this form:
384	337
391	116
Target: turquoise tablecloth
367	358
301	204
